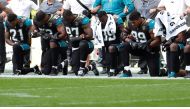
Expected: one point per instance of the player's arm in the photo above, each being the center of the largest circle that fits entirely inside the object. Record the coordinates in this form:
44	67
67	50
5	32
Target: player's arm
95	9
154	41
29	26
96	6
88	34
60	29
7	38
5	9
126	34
62	32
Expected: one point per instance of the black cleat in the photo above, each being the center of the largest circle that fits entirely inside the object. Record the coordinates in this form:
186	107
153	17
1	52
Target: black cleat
163	72
54	71
17	72
81	73
37	70
110	74
94	69
65	68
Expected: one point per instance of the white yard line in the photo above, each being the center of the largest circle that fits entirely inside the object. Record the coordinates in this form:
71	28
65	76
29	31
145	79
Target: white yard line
124	101
20	95
87	76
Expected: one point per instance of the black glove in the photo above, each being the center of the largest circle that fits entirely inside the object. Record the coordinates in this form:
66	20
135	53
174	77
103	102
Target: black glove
55	36
133	44
34	34
142	46
137	45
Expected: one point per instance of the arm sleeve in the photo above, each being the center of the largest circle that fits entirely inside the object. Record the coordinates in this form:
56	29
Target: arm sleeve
151	25
119	21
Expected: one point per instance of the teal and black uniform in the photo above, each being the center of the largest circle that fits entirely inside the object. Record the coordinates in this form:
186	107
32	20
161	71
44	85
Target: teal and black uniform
139	46
80	48
2	40
141	34
20	35
48	29
50	55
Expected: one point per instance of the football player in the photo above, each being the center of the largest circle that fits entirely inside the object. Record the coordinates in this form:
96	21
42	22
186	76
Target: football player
17	31
80	36
137	40
53	39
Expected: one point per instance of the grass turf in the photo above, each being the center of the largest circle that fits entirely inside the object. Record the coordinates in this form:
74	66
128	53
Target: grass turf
63	92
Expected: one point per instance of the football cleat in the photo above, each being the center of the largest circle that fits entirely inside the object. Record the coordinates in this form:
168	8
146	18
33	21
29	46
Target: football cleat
172	75
81	73
17	72
37	70
104	71
54	71
94	69
126	73
65	68
110	74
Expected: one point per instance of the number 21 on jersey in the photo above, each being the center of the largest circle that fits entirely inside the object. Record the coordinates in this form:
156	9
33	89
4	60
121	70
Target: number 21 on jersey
17	35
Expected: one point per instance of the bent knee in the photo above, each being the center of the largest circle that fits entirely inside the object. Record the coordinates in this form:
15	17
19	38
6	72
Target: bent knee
173	47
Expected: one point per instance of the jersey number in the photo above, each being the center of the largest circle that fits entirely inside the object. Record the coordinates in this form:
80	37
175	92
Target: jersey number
49	31
72	31
17	35
140	36
108	36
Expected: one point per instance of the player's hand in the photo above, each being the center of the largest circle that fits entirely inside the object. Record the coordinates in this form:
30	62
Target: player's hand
82	36
3	14
126	10
131	37
55	36
115	17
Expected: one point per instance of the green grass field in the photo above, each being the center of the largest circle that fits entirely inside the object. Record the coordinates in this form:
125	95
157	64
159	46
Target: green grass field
76	92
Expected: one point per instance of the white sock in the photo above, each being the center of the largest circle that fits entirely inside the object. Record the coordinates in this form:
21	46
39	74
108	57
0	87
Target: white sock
187	68
54	67
112	70
127	68
63	64
81	68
